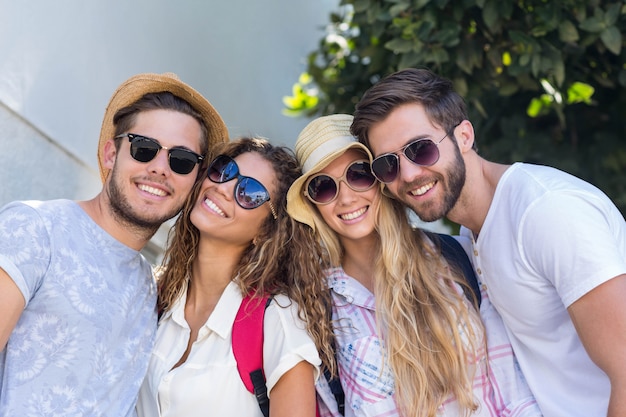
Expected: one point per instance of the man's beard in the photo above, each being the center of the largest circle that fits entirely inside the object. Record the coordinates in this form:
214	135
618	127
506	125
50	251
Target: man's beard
128	215
454	182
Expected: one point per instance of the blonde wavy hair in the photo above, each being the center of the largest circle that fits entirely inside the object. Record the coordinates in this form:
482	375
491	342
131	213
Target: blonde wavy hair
433	336
285	258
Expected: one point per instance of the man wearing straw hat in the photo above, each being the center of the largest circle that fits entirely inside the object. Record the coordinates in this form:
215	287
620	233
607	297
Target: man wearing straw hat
77	298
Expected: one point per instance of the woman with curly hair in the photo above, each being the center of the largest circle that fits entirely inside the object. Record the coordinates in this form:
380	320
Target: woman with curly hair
234	238
409	341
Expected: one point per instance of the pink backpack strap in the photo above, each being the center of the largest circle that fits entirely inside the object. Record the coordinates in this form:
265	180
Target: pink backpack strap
247	342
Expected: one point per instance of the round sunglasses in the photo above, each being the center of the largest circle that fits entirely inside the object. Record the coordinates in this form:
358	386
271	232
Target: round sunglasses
422	152
323	188
249	192
144	149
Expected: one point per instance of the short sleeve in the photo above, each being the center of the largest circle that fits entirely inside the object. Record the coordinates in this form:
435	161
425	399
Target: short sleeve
24	247
569	238
286	341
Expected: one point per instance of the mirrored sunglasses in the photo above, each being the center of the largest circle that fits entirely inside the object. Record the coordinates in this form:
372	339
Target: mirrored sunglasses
323	188
422	152
249	192
144	149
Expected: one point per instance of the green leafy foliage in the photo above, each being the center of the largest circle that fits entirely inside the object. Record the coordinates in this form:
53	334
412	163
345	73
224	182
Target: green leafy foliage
543	79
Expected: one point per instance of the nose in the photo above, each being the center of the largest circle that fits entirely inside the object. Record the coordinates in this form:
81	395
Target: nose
345	194
160	164
408	170
225	189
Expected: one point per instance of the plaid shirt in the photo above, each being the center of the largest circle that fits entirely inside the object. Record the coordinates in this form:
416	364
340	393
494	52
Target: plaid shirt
368	383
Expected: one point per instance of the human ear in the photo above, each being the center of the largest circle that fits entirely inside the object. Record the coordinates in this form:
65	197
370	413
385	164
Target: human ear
109	154
464	134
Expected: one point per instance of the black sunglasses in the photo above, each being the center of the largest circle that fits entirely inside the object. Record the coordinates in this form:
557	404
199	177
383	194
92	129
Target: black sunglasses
422	152
323	188
144	149
249	192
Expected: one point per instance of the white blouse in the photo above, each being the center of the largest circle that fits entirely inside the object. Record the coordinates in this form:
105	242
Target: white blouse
208	383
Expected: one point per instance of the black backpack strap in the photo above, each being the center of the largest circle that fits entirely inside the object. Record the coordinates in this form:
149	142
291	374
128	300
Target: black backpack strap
454	253
260	391
336	389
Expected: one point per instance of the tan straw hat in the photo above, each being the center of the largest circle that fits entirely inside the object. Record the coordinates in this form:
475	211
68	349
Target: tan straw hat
320	143
141	84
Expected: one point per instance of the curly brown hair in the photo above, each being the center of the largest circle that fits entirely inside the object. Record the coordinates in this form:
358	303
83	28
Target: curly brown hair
285	258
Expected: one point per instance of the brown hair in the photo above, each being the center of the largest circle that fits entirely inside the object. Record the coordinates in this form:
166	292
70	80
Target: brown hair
443	105
124	118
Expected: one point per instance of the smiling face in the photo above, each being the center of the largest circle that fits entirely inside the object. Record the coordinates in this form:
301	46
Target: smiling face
217	214
352	214
145	194
430	191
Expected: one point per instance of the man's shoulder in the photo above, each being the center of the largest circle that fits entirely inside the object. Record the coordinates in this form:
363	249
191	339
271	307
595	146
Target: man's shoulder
534	174
41	206
549	179
528	185
50	214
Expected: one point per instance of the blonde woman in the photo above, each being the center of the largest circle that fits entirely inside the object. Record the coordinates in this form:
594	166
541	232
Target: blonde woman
409	342
234	237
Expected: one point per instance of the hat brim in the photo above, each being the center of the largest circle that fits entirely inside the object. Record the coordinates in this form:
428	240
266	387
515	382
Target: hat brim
139	85
297	205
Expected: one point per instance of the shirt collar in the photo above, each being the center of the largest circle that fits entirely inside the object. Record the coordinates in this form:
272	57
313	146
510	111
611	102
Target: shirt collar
223	316
221	319
349	288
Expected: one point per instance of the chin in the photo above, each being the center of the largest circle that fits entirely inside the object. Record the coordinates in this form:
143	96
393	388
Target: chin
429	214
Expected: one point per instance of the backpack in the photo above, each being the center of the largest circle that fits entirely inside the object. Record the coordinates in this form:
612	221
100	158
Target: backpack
247	342
455	255
247	333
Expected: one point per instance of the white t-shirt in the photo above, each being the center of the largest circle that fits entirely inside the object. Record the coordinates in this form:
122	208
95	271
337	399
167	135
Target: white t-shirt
548	239
208	383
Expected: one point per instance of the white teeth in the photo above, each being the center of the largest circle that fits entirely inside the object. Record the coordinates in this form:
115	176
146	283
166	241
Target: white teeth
214	207
152	190
353	215
422	190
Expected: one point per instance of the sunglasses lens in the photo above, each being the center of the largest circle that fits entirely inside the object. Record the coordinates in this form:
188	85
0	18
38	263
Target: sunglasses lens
385	167
422	152
250	193
322	189
359	176
143	149
222	169
182	161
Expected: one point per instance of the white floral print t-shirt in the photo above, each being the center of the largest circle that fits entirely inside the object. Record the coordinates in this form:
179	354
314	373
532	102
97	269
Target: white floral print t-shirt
82	344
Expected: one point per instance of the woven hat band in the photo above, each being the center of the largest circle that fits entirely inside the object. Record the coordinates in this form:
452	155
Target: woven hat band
331	146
